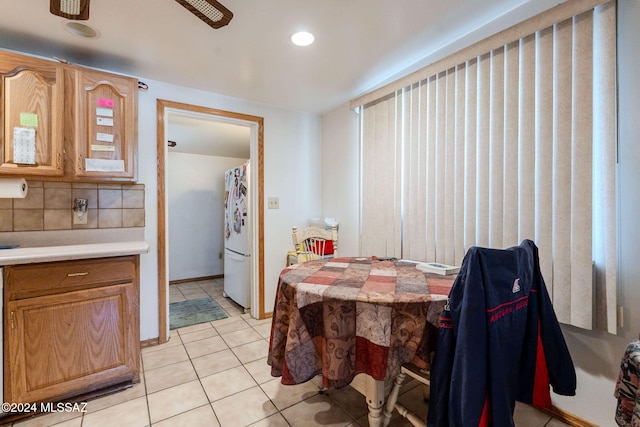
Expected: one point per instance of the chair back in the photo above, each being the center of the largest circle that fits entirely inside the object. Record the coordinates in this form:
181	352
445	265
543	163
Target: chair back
312	243
499	333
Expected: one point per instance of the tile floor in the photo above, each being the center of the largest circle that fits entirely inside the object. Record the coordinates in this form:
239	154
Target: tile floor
215	374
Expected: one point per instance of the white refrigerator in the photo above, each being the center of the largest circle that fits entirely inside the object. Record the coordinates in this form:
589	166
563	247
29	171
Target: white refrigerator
237	248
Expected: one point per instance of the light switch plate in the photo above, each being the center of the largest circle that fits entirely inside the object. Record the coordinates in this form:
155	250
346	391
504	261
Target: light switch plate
273	203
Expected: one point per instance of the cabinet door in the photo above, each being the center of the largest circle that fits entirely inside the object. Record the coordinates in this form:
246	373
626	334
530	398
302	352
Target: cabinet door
32	136
105	126
62	345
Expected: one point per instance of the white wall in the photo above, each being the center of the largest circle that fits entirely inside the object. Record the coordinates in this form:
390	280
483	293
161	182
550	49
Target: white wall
341	176
292	170
195	196
596	354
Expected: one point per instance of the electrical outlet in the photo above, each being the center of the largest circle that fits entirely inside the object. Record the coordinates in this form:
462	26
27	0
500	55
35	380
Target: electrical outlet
80	221
273	203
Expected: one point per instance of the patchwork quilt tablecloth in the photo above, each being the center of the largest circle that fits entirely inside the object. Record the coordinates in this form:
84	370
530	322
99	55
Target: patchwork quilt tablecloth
348	316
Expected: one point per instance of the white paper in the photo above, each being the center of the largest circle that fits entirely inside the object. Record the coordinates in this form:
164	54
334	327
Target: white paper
434	267
104	137
97	147
104	121
103	165
24	146
101	111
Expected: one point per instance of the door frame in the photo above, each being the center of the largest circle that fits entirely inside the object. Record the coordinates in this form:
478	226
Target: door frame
257	165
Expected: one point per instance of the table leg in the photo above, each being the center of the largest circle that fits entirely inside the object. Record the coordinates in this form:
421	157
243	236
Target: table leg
393	398
375	399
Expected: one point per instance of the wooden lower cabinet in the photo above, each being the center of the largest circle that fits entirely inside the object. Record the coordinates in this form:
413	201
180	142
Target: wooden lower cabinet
73	341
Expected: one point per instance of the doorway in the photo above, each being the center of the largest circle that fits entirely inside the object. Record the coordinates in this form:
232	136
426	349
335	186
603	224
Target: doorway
164	108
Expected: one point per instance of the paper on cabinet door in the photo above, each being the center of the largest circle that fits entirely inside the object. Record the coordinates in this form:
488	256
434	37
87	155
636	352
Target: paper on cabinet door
99	147
103	165
104	137
104	121
24	146
102	111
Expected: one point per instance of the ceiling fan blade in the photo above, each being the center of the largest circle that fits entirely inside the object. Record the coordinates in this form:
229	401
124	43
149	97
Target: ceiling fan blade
209	11
70	9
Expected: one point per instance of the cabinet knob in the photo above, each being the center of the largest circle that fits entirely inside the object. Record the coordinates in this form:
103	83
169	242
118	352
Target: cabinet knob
84	273
59	161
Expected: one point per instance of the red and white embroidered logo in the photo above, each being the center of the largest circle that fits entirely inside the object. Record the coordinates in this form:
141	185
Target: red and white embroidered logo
516	286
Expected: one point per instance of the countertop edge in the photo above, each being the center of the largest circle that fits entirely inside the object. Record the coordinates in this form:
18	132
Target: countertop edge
28	255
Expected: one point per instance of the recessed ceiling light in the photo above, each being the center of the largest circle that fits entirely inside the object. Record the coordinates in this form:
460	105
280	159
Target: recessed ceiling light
79	29
302	38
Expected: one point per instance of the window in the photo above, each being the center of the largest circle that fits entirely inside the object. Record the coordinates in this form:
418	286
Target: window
516	141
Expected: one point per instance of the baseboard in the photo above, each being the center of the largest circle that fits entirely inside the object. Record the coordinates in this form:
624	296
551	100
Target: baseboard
150	342
196	279
567	417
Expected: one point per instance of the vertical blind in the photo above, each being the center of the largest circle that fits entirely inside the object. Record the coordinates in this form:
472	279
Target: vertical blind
518	142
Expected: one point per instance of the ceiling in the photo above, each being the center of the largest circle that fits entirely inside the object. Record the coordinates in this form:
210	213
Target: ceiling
359	43
207	135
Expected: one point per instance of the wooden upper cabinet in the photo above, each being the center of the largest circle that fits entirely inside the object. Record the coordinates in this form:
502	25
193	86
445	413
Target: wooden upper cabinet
66	122
105	127
32	97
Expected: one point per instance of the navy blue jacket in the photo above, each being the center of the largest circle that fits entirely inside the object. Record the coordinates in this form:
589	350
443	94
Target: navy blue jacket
499	341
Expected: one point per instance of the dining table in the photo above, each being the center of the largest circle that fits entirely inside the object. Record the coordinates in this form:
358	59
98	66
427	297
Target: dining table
355	315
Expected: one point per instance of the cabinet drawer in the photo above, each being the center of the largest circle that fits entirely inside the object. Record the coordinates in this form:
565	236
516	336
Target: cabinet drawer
29	280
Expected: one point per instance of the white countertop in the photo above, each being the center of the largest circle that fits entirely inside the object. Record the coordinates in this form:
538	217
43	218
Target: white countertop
28	255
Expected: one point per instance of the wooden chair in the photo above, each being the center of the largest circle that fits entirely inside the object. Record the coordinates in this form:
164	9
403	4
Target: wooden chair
313	243
422	376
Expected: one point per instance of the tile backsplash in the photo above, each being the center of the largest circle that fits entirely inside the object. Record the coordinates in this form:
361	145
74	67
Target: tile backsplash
48	206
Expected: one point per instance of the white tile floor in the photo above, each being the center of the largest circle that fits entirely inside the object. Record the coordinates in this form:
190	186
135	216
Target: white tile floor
215	374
